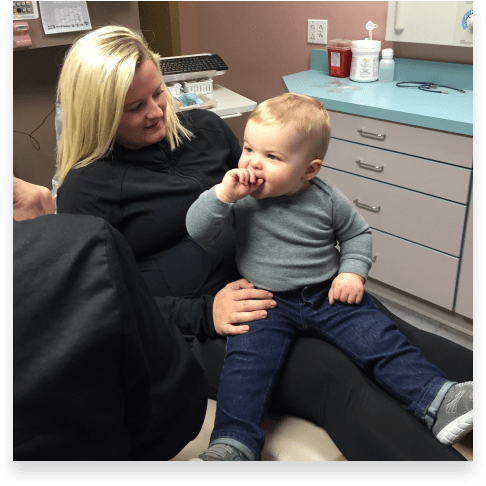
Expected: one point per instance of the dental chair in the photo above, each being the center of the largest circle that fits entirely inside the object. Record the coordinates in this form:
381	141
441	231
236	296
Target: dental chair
287	439
291	439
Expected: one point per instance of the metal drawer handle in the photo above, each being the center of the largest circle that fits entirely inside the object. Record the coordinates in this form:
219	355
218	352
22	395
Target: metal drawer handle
376	168
375	209
376	136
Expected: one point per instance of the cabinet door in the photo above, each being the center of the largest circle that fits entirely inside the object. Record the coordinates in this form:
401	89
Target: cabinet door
427	176
425	273
464	302
417	217
422	142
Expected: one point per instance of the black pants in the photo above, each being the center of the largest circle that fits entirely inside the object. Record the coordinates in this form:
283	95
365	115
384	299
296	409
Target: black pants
320	383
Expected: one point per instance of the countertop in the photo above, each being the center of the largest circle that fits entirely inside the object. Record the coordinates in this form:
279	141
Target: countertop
451	112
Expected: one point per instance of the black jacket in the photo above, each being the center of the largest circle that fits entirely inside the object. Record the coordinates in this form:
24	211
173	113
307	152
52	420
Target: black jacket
146	193
100	371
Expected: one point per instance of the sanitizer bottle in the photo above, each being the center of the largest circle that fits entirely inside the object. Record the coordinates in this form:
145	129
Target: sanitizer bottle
387	66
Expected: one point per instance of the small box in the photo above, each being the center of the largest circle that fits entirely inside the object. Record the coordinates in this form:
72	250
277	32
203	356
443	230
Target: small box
175	88
339	54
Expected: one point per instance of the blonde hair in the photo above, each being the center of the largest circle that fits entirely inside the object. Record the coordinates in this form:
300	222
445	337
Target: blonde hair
97	72
306	114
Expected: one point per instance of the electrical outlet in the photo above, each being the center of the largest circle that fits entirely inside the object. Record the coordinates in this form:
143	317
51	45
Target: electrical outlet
316	31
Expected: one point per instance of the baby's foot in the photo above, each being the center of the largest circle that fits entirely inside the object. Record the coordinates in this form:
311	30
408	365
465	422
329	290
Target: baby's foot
455	415
221	452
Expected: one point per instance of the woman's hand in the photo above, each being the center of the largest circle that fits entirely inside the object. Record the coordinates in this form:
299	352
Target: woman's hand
239	302
30	200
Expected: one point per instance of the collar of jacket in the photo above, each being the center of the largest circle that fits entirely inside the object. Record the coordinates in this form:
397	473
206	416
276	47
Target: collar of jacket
155	155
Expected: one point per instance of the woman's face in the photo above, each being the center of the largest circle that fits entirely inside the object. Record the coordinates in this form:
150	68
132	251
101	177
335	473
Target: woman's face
144	112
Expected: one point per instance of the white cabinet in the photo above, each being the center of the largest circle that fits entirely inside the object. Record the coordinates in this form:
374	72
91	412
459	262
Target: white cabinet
412	185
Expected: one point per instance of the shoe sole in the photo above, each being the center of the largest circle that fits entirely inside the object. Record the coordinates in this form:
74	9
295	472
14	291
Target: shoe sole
457	429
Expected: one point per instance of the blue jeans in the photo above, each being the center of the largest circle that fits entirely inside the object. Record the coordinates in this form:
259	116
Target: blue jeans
254	359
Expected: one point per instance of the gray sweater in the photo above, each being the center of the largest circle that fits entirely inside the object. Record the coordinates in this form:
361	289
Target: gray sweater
287	242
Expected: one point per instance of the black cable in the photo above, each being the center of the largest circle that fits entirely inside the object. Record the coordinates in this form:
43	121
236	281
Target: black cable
425	86
30	134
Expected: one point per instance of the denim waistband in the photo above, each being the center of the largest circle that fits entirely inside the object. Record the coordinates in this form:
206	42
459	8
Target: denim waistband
309	289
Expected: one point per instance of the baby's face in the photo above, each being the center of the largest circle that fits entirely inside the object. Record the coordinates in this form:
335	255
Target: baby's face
278	156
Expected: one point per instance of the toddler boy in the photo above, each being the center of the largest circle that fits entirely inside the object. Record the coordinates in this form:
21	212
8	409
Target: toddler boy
286	235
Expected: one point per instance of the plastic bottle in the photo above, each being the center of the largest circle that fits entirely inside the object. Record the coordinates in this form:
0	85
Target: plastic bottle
387	66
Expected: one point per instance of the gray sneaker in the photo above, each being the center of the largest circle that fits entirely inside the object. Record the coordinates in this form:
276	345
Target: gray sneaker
221	452
455	415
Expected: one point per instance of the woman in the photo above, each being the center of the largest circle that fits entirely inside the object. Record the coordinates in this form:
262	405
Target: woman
124	155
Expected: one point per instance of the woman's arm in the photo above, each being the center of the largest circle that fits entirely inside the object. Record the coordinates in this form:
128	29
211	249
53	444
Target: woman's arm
206	316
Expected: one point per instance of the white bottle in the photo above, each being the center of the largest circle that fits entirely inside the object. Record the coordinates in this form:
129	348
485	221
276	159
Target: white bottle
387	66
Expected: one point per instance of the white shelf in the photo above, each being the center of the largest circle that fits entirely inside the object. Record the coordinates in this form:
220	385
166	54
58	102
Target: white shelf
229	103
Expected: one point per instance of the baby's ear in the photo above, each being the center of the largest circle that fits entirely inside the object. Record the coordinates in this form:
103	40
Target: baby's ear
312	169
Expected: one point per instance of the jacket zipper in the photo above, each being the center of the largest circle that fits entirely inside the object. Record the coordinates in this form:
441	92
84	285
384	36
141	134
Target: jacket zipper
184	176
195	179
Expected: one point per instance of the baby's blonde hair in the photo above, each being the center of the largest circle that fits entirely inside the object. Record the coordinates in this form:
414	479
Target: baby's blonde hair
305	113
97	72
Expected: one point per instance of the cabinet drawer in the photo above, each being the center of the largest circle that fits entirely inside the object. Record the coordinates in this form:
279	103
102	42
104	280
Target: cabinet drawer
434	178
420	271
417	217
422	142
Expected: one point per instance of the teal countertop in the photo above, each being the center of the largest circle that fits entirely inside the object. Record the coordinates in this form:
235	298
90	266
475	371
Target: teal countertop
451	112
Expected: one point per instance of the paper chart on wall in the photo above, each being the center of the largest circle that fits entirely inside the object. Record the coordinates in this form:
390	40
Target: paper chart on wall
58	17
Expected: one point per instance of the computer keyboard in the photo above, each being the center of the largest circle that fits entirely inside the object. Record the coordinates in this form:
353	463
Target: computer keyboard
186	67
